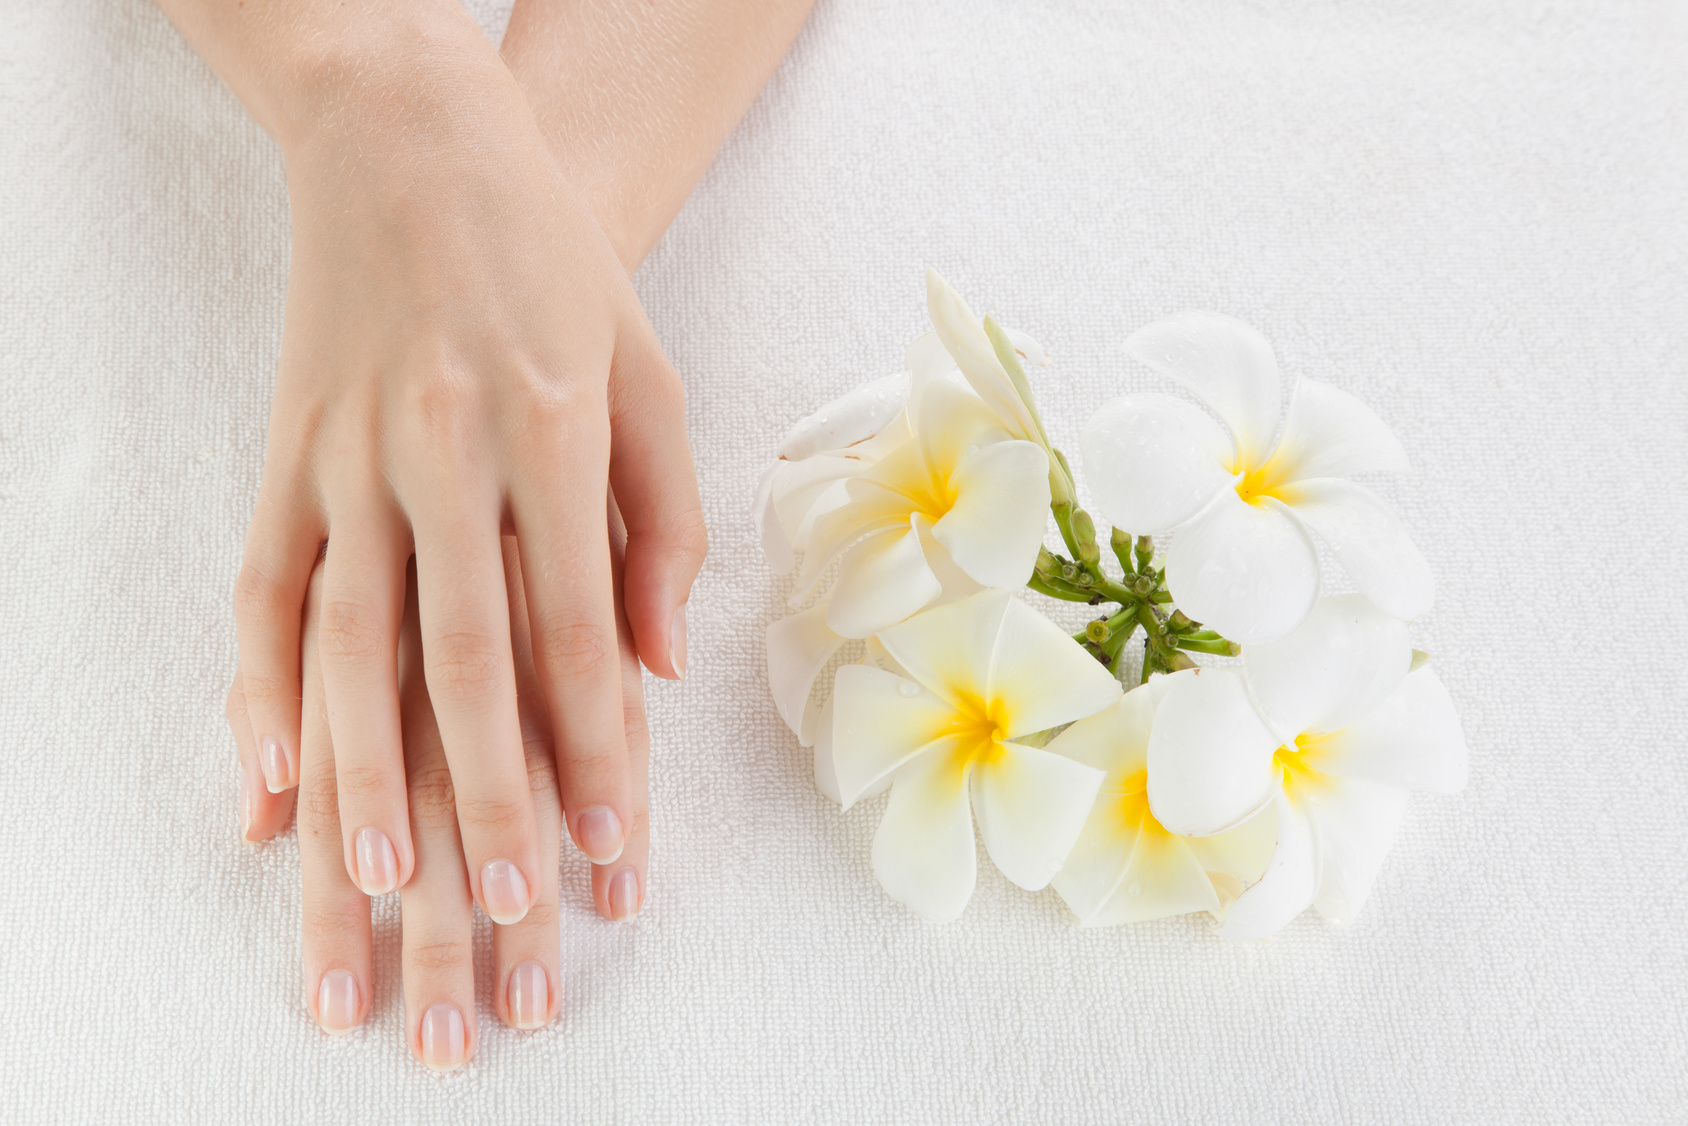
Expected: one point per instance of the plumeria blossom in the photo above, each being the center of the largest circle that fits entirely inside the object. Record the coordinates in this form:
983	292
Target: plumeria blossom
982	673
1126	867
1241	505
1323	732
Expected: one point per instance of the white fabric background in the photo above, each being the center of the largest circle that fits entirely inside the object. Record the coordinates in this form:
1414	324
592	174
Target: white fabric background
1472	215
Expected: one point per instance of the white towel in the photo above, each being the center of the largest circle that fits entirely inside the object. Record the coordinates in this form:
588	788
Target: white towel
1471	215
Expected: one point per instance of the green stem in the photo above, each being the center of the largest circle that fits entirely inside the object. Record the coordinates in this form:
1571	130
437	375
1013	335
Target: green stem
1219	648
1069	594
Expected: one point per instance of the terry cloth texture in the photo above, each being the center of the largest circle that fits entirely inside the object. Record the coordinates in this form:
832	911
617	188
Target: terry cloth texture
1473	216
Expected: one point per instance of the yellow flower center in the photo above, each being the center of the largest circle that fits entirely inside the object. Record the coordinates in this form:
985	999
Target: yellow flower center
1260	482
982	727
1131	804
1299	764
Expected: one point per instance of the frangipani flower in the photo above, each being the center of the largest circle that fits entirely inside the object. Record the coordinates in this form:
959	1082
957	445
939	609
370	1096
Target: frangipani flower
1126	867
1241	506
983	672
963	490
1324	730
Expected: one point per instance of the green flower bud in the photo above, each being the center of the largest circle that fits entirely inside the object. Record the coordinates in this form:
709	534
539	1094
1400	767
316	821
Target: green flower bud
1179	621
1145	551
1084	531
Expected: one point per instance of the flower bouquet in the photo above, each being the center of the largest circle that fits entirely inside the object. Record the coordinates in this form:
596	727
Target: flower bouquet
1134	779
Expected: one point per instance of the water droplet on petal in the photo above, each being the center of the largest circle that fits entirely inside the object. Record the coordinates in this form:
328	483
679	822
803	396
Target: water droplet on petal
909	688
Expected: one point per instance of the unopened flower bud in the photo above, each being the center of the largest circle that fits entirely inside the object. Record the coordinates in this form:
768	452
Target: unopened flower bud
1069	572
1046	565
1145	551
1179	621
1084	579
1179	661
1144	584
1098	632
1084	531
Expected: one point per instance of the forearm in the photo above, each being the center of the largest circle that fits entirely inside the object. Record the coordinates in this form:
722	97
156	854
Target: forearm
304	68
635	97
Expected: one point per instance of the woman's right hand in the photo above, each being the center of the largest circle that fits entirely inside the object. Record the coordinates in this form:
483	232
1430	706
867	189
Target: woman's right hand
463	356
437	959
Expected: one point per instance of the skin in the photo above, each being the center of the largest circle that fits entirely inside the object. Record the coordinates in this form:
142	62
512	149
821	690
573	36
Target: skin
466	375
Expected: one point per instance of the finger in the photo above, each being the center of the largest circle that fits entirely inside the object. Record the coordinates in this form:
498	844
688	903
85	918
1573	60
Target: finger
336	933
357	638
269	593
437	911
618	889
558	506
654	481
526	954
262	814
466	653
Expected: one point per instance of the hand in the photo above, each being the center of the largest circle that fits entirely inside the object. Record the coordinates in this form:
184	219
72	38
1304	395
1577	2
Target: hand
461	344
437	959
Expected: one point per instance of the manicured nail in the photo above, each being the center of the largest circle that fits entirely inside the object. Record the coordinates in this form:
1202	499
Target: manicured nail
278	773
599	833
504	892
529	997
623	895
677	642
245	805
378	864
337	1002
444	1040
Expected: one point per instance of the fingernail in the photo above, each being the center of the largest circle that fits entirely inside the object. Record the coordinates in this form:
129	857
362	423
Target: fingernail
529	997
378	864
444	1040
623	895
504	892
245	805
278	774
337	1002
599	833
677	642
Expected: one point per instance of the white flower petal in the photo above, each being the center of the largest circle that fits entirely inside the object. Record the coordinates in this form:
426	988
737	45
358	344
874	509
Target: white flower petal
948	648
852	417
1031	805
798	648
1153	461
1330	433
1042	676
1241	853
964	338
1248	571
1210	757
826	771
879	722
1031	352
1412	740
1116	739
1285	890
995	528
956	582
1162	877
874	510
1337	665
1354	825
1368	540
923	852
776	545
1228	365
1098	859
881	580
953	423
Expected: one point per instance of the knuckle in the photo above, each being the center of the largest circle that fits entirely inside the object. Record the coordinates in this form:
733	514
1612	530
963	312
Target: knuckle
334	925
595	763
541	769
634	729
464	665
438	957
264	690
362	784
350	635
235	710
541	914
433	798
257	597
688	535
572	643
443	410
492	813
319	808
